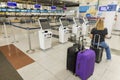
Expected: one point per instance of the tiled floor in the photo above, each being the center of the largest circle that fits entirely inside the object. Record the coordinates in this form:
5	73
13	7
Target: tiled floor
51	64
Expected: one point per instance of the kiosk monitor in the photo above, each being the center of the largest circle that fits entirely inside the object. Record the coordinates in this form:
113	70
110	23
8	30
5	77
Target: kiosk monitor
64	21
44	23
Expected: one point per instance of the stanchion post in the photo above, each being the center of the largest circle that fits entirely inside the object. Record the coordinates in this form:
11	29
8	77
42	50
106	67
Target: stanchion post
14	39
29	42
2	29
5	30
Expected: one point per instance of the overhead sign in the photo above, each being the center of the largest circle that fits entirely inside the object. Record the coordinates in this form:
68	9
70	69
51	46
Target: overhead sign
112	7
103	8
53	7
11	4
83	9
37	6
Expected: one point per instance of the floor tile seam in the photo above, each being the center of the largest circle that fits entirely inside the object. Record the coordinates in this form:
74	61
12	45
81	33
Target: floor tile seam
57	59
32	76
104	72
49	71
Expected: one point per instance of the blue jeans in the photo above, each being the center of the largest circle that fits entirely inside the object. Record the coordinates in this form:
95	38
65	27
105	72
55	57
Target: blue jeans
107	49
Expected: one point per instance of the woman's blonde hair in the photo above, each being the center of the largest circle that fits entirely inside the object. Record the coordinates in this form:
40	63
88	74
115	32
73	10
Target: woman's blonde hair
100	24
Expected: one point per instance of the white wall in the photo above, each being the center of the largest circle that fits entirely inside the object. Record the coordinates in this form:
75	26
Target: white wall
117	23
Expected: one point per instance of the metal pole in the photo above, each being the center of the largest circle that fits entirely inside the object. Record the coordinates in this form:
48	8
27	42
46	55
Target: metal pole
98	3
29	43
2	29
5	30
14	39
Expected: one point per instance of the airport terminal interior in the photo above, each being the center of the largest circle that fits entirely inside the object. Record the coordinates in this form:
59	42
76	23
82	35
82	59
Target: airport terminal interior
36	37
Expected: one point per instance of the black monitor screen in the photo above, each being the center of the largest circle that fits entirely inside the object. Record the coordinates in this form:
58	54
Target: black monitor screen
71	21
67	21
37	6
53	7
12	4
45	24
81	21
77	21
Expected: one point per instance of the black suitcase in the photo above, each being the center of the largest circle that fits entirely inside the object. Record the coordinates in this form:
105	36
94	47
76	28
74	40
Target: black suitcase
72	56
98	50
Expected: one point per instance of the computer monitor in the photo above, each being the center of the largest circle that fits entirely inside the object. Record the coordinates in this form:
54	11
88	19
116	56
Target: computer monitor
71	21
64	21
37	6
44	23
102	8
11	4
53	7
81	20
77	22
67	21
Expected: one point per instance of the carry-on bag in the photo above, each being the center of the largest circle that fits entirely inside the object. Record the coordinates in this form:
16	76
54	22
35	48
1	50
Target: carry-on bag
72	56
98	49
85	63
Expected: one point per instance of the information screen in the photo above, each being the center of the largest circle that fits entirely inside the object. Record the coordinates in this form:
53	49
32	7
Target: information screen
17	10
3	9
70	21
64	21
12	4
11	10
37	6
24	10
103	8
44	23
111	7
53	7
83	9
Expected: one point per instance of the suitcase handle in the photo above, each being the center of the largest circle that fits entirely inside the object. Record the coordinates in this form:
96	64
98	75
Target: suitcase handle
98	40
82	45
84	50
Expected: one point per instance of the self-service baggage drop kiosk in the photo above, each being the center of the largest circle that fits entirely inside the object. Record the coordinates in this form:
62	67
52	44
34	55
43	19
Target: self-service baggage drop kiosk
45	34
76	29
63	30
85	26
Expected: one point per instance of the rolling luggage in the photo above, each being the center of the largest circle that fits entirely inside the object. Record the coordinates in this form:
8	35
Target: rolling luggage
72	55
98	49
85	64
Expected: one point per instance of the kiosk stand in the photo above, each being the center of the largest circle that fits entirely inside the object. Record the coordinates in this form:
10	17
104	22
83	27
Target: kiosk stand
63	30
76	29
29	42
45	34
85	27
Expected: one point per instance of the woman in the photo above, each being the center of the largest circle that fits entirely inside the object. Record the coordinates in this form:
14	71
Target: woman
99	29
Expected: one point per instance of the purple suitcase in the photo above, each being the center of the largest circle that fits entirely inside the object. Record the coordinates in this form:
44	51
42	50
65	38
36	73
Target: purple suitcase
85	64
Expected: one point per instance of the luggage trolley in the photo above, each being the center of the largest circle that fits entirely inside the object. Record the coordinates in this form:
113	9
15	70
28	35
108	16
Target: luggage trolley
45	34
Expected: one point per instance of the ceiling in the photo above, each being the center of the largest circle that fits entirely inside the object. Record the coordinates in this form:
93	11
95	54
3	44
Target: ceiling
59	3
